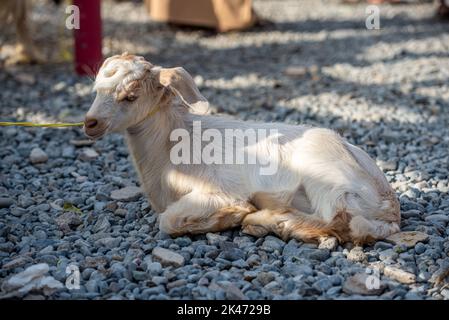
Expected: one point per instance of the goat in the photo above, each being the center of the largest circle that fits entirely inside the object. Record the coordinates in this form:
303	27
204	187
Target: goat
26	49
323	186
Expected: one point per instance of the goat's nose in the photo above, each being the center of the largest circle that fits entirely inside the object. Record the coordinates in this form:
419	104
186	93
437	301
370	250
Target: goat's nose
90	123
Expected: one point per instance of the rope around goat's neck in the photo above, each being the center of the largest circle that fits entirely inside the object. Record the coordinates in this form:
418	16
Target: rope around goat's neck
153	112
133	129
48	125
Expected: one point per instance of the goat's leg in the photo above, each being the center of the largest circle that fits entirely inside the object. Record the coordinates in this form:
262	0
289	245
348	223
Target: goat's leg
277	216
200	213
367	231
288	223
291	223
26	50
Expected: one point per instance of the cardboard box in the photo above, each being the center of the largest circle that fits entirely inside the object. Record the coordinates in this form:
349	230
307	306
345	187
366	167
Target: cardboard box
223	15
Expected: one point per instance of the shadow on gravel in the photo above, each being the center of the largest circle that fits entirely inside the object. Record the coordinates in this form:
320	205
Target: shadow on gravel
283	44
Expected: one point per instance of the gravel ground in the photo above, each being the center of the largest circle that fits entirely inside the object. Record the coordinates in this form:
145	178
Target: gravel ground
385	90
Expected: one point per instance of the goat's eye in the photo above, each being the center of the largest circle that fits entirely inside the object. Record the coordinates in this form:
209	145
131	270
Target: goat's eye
130	98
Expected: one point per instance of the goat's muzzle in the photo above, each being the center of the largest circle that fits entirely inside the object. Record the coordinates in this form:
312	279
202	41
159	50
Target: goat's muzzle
94	128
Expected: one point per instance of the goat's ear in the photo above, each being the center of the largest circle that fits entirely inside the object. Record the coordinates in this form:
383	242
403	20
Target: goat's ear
182	84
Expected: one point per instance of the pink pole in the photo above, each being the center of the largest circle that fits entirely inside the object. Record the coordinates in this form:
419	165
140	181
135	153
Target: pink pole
88	56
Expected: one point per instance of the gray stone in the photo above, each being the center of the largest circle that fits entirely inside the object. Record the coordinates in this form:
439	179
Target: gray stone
445	294
412	296
102	224
88	154
233	293
356	255
437	218
399	275
204	281
336	280
250	275
82	143
388	254
109	242
232	254
120	212
215	239
92	286
68	220
265	277
272	244
420	248
361	283
407	238
154	268
38	155
6	247
68	152
316	254
139	275
183	241
296	71
293	269
118	270
176	283
95	262
329	243
40	234
31	279
158	280
167	257
253	260
291	249
48	259
441	272
323	285
130	193
18	212
6	202
388	165
25	201
334	291
17	262
380	245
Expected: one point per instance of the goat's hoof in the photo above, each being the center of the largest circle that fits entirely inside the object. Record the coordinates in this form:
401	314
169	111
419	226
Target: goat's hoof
254	230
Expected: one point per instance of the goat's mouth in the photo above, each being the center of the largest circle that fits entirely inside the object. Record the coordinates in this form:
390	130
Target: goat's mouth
95	134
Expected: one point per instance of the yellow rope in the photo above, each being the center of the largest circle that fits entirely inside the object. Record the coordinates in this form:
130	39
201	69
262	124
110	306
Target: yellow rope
56	125
49	125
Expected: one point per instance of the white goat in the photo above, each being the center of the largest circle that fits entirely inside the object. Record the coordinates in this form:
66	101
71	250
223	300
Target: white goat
323	186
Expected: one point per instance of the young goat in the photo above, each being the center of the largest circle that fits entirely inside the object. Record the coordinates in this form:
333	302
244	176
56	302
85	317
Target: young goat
323	185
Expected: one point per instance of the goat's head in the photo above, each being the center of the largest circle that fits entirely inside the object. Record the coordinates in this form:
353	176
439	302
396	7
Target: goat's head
129	88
